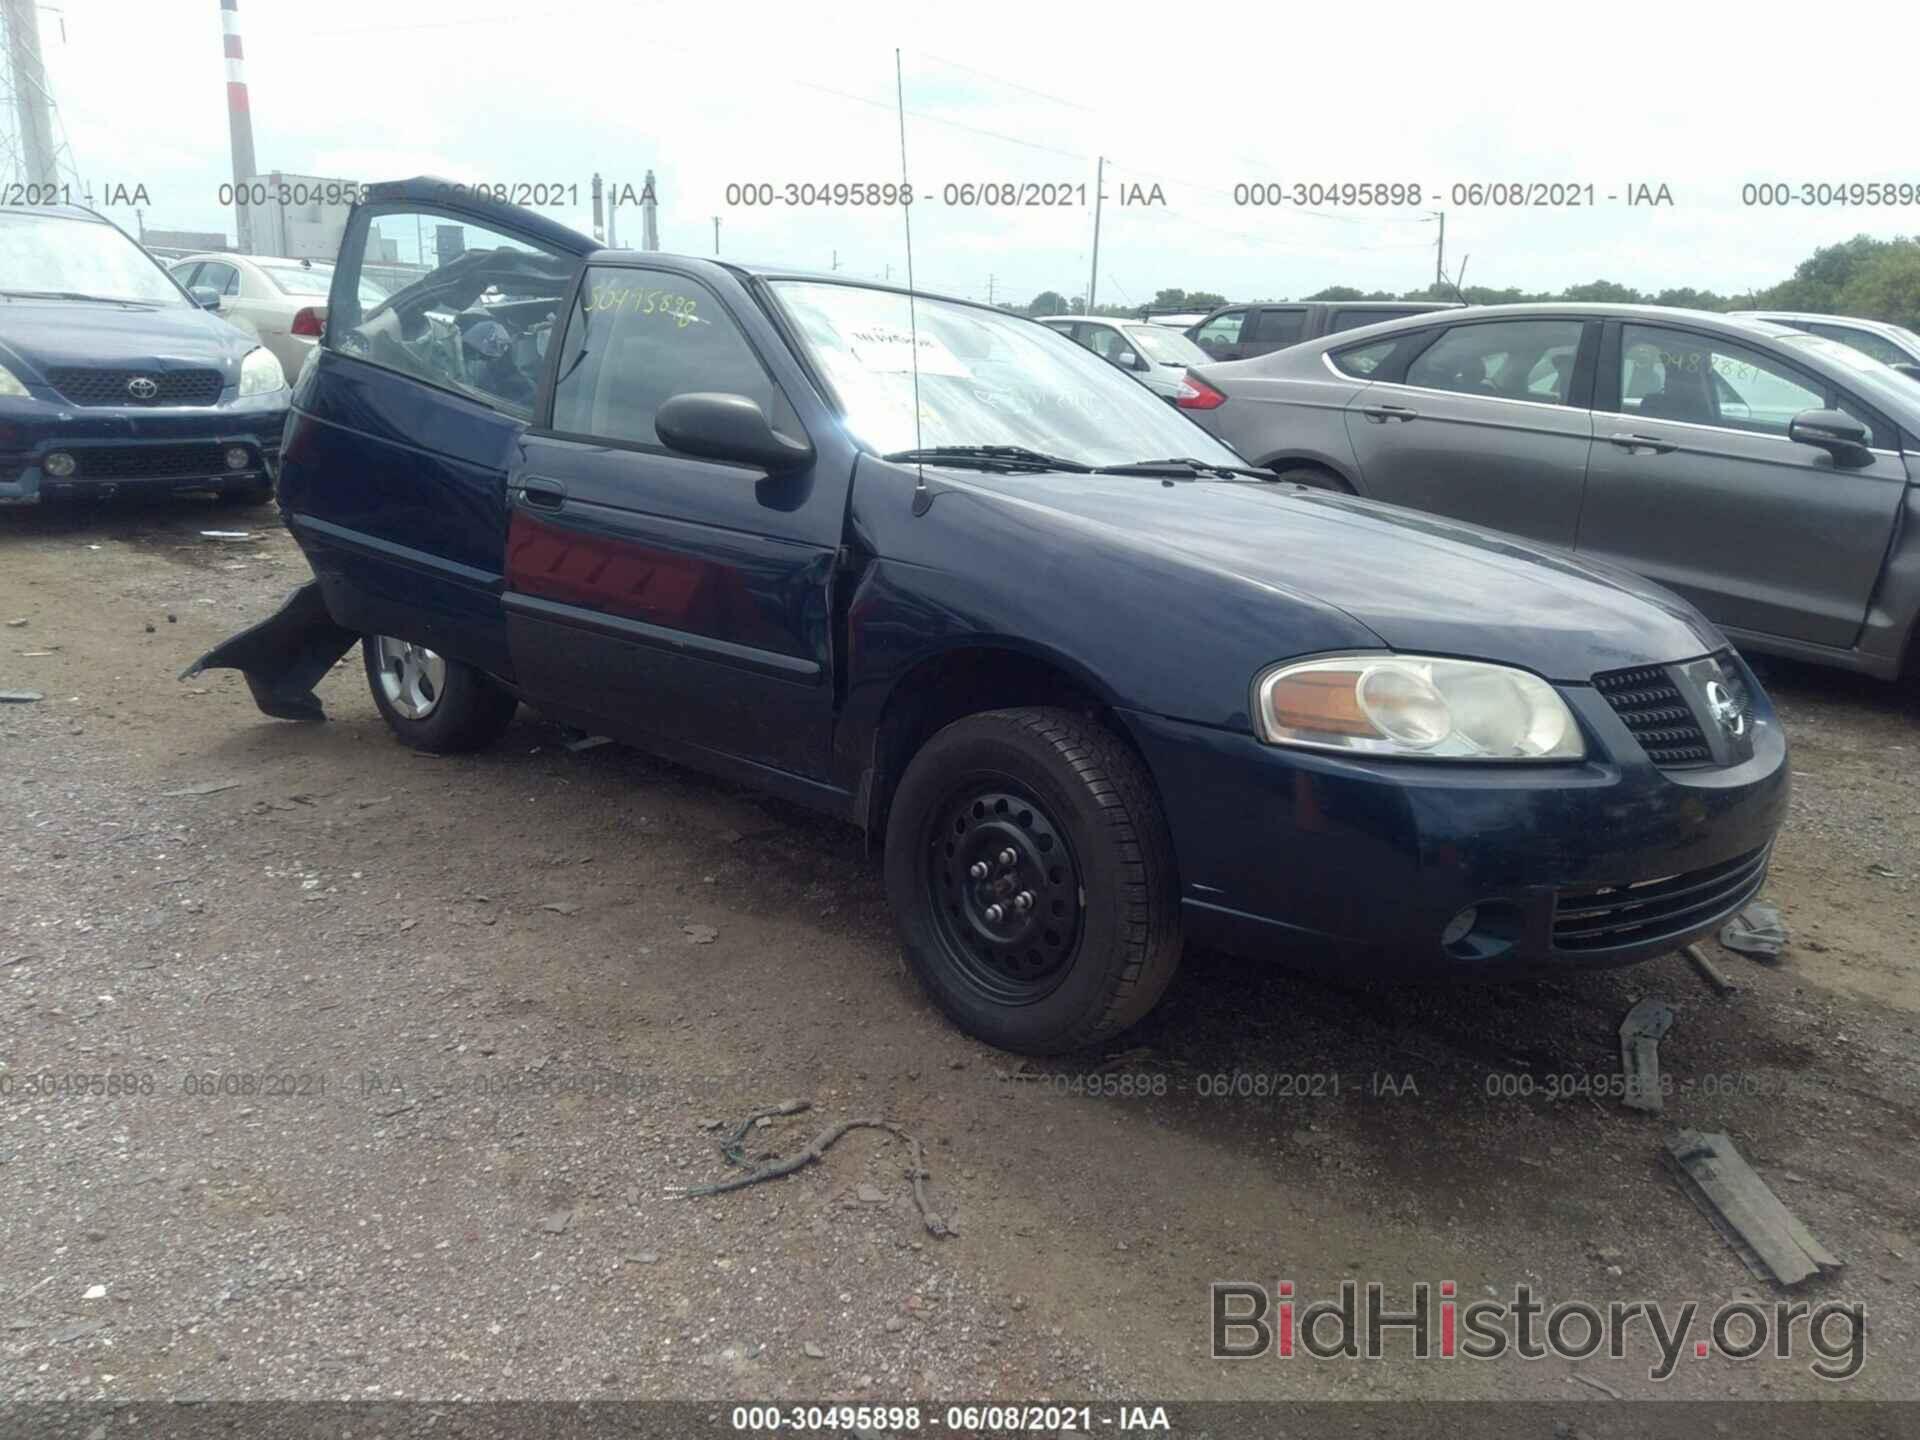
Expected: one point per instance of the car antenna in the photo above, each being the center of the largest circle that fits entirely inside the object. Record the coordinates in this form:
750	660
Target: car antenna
922	498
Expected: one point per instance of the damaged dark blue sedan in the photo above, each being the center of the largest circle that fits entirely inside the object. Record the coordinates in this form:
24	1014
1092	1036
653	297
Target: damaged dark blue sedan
1098	690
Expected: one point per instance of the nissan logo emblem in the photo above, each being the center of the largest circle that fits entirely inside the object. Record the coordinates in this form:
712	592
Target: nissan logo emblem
141	388
1725	709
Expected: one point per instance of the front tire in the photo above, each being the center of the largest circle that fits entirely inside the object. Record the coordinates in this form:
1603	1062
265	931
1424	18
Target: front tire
433	703
1031	876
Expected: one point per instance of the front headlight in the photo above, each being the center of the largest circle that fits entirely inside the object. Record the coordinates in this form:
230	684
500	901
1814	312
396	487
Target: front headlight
260	374
1410	705
10	384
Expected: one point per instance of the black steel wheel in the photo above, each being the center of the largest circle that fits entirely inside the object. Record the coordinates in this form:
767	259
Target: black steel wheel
1032	879
1006	892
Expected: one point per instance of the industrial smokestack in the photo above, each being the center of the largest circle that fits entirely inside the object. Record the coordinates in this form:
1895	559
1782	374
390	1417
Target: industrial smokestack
239	123
32	112
649	216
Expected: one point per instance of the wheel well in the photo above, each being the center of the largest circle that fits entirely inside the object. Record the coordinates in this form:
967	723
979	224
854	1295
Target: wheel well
955	684
1282	465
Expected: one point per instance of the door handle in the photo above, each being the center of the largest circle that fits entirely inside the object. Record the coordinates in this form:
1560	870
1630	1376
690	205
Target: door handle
1381	414
540	492
1638	443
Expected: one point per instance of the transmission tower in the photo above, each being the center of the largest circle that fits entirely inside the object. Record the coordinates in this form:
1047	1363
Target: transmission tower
33	144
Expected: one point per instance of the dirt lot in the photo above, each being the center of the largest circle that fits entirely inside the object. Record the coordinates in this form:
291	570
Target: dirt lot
521	997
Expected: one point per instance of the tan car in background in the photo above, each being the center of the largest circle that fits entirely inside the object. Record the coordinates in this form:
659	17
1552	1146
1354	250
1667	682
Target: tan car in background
281	302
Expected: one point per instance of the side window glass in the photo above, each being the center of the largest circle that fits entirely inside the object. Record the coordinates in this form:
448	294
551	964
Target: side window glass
184	273
1222	329
635	339
216	276
454	304
1104	342
1673	375
1361	361
1280	327
1518	360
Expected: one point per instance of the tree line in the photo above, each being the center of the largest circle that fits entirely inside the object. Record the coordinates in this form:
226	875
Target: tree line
1863	277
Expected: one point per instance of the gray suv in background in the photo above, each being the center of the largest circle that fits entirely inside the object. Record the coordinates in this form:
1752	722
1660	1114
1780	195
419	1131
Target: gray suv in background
1766	474
1240	332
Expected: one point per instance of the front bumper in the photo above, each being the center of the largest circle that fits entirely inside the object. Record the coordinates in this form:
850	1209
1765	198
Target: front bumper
144	449
1344	862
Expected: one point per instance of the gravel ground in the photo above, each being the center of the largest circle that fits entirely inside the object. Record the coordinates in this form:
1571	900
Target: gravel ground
508	1004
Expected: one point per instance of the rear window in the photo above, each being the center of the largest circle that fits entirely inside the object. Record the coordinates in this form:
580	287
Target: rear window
300	280
1167	347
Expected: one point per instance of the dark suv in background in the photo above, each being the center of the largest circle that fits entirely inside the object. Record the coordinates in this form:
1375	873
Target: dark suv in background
112	377
1239	332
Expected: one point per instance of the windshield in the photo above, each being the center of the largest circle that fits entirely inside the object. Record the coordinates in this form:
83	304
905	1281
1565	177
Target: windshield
1867	371
986	378
1167	347
55	255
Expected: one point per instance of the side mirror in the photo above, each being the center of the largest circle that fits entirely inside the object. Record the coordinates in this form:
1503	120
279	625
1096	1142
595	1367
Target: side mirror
1833	431
728	427
1908	369
205	296
1126	359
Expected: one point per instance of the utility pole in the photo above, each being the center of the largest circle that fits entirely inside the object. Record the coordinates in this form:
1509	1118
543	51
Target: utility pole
989	289
649	216
1440	251
716	235
836	260
1099	186
599	210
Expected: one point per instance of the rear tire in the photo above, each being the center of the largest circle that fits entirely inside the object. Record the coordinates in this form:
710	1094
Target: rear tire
433	703
1314	479
1078	935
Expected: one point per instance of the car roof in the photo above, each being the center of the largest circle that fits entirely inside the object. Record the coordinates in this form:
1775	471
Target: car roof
1577	308
1856	321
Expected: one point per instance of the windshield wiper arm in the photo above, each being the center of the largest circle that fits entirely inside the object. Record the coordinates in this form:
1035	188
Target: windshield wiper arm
1181	465
68	295
1007	456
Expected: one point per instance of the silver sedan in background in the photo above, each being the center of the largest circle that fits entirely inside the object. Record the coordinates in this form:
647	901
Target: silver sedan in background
1155	355
1768	475
281	302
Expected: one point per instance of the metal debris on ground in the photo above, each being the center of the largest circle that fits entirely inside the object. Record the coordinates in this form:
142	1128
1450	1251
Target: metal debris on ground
211	787
1709	971
1757	930
20	697
1769	1239
817	1147
1640	1035
226	535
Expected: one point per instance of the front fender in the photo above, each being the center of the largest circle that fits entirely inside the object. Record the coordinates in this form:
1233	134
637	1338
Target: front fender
284	656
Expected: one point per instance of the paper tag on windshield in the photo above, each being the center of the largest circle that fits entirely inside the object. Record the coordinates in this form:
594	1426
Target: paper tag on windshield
890	351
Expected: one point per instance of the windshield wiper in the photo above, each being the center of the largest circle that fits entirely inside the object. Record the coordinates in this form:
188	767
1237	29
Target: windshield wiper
1180	465
68	295
1010	457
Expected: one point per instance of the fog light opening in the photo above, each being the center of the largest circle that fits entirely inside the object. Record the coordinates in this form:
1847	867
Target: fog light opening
59	465
237	457
1459	927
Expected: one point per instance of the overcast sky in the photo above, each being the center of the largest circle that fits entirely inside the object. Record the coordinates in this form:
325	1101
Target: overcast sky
1195	98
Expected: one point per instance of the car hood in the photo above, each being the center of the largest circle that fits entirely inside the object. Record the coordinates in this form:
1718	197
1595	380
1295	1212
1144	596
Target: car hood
1421	584
50	334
